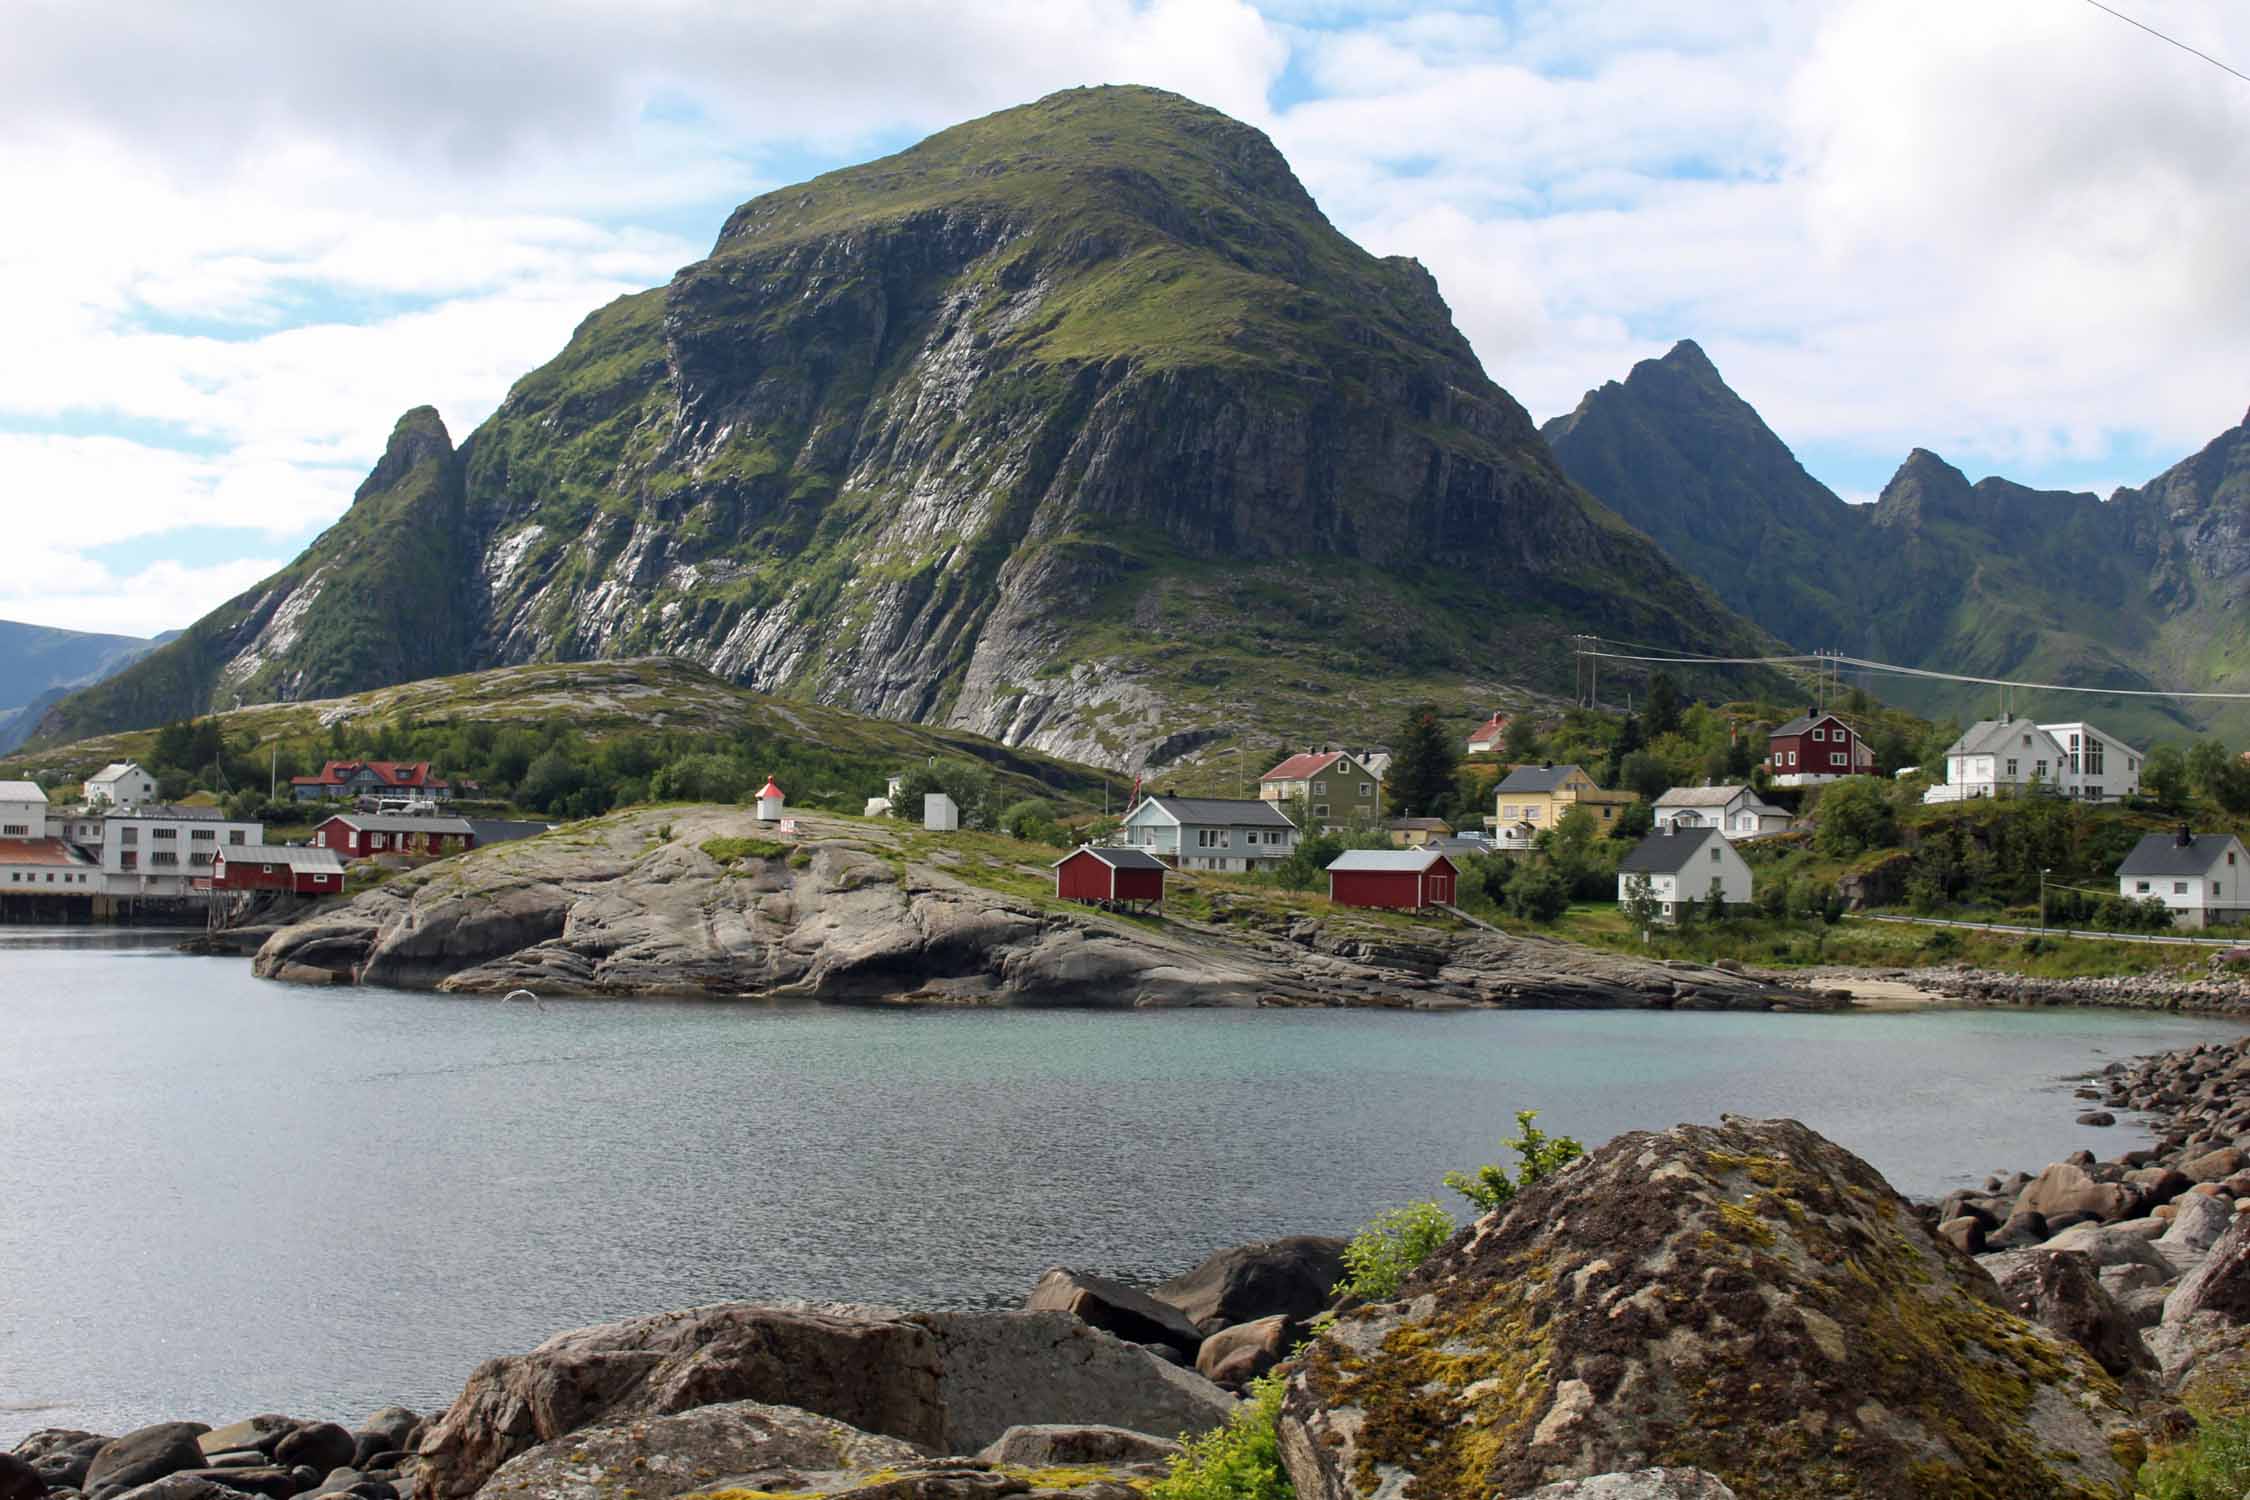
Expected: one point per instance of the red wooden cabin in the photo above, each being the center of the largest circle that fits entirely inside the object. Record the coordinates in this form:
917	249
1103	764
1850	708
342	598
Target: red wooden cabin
1096	875
272	867
1403	879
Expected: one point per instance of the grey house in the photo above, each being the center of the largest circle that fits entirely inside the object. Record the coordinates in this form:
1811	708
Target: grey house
2198	875
1210	833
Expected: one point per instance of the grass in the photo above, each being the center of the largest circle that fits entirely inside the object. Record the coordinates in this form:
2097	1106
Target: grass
735	850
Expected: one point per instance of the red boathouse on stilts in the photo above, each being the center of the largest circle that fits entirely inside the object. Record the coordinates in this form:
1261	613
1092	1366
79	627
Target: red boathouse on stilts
1115	876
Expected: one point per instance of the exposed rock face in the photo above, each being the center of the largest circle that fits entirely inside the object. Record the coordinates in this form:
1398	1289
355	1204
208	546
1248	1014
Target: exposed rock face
1749	1300
1133	1315
1643	1484
616	910
760	1446
954	436
946	1382
145	1454
2058	1290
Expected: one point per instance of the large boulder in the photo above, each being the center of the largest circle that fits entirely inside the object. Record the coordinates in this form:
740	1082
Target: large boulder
1238	1355
1294	1278
19	1480
2195	1228
145	1454
2068	1189
2060	1291
764	1447
1055	1445
61	1455
1112	1306
263	1433
181	1485
1747	1299
2221	1284
949	1382
319	1446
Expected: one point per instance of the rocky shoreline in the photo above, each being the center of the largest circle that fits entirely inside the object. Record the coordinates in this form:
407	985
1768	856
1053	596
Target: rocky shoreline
704	902
1739	1310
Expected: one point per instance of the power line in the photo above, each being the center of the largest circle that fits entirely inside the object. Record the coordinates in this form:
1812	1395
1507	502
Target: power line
2175	41
1894	670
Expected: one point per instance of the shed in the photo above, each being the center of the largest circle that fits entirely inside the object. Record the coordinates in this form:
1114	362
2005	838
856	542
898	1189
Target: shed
274	867
1404	879
939	814
358	835
1091	874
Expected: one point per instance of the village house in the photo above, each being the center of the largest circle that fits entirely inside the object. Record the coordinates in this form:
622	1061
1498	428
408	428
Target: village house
1736	811
1337	790
340	780
1398	879
159	852
1679	865
1096	875
1413	833
362	835
23	810
46	877
1487	737
2101	767
121	783
1816	748
1531	799
2198	875
1210	833
277	867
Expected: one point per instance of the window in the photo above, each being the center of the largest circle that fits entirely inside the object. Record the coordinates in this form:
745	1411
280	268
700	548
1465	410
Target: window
235	836
198	857
2230	856
129	835
1320	810
1367	789
164	833
320	880
2011	768
2140	887
1792	757
164	857
2179	887
1320	788
16	830
1835	757
1714	856
205	835
2039	769
2093	756
1531	812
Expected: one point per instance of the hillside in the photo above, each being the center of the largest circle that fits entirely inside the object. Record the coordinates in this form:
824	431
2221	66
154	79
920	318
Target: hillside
602	700
1988	579
40	664
1077	426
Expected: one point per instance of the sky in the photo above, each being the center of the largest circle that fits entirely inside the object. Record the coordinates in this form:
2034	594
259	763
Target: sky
240	240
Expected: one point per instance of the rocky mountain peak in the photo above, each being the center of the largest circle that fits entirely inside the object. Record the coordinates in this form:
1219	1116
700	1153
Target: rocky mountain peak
417	438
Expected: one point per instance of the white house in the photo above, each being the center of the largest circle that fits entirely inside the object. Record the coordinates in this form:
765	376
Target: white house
1999	757
2103	768
1487	738
1210	833
23	810
1735	811
1679	865
120	784
2200	876
162	851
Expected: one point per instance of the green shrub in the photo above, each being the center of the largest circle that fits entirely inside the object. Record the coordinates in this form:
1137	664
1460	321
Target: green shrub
2215	1466
734	851
1542	1155
1239	1461
1391	1245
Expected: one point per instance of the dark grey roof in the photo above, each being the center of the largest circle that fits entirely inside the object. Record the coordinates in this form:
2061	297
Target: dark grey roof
1534	778
1804	722
2164	854
1667	853
1460	849
1232	812
296	856
505	830
402	823
174	812
1118	859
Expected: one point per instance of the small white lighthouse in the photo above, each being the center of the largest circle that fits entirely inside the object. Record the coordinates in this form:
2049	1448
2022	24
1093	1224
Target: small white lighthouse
769	801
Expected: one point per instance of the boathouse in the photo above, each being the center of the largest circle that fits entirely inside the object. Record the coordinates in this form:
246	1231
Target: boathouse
1092	874
1400	879
273	867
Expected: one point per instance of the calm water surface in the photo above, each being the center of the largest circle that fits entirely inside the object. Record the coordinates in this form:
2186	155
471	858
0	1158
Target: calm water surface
219	1196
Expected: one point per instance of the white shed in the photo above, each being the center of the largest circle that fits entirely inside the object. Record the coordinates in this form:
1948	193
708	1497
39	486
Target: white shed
939	814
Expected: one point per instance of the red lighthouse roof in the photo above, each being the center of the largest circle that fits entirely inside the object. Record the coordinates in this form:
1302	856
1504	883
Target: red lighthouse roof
770	789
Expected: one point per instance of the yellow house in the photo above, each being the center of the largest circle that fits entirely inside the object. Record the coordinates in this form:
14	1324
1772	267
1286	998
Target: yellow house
1413	833
1531	799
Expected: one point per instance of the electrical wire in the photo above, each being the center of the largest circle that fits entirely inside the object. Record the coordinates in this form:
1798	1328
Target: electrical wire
2175	41
1892	669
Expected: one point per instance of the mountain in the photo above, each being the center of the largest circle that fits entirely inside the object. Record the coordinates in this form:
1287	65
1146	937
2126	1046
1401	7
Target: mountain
39	664
1987	579
1078	426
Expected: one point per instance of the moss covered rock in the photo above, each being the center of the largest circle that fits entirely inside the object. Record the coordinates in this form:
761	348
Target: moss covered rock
1748	1299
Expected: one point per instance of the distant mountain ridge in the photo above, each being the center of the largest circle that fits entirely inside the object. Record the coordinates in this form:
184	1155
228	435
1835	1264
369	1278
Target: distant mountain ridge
1078	426
1989	579
40	664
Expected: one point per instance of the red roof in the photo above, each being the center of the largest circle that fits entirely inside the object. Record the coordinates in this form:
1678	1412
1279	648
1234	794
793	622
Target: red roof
770	789
1490	727
1298	767
39	852
395	773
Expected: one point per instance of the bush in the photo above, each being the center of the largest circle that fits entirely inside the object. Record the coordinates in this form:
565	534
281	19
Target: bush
2215	1466
1854	815
734	851
1490	1187
1540	894
1239	1461
1380	1256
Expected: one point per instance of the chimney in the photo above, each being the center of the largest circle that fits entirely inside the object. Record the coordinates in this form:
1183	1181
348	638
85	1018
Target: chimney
2184	839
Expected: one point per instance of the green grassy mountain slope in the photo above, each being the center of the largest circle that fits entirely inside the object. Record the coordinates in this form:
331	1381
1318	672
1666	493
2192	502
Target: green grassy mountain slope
1988	579
1078	426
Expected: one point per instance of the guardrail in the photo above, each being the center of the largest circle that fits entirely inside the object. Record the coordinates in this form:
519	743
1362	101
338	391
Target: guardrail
2094	933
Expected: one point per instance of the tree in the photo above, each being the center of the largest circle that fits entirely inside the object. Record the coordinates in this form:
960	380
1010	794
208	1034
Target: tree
175	746
1663	705
1855	815
1641	905
1521	741
1421	780
1644	773
1634	822
968	783
551	781
1539	894
2220	776
2164	778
